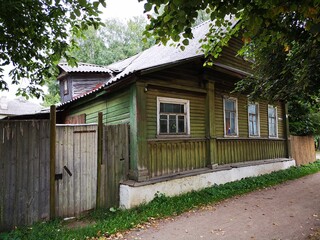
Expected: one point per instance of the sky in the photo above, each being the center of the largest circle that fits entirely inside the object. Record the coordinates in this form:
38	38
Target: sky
122	9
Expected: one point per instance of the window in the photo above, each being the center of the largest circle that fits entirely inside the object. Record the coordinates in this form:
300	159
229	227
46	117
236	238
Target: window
272	121
230	117
253	119
173	116
65	87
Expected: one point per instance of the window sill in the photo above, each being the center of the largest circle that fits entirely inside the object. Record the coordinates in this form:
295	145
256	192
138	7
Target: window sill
163	136
254	136
273	137
231	136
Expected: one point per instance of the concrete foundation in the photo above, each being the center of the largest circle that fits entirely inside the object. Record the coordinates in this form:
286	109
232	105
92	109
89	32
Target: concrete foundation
134	194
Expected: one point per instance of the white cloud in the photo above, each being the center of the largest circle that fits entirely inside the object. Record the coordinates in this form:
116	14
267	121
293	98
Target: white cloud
123	9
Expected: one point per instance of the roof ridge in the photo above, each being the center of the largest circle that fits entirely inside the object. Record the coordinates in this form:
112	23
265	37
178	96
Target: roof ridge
201	24
84	64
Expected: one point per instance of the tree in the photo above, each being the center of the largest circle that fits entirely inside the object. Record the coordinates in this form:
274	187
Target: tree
34	36
266	27
114	41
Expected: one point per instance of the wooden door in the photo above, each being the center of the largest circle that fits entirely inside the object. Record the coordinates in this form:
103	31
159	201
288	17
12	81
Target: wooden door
76	169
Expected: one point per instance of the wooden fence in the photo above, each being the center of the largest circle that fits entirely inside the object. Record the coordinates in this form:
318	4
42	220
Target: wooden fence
25	195
302	149
24	172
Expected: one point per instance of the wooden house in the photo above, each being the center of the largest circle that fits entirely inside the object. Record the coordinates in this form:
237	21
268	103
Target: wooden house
183	117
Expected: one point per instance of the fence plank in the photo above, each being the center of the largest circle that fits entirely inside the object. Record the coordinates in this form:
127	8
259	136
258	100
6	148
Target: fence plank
77	154
302	149
23	174
115	163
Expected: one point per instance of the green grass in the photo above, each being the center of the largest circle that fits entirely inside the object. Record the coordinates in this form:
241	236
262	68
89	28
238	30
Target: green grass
103	220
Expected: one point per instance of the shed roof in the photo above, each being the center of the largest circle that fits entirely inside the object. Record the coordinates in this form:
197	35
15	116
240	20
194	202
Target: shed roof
18	106
84	68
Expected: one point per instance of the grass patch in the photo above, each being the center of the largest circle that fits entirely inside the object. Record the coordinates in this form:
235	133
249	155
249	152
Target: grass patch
106	221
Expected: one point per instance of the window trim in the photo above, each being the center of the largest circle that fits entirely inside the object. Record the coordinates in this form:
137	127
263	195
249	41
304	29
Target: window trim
65	87
258	120
224	117
187	112
276	122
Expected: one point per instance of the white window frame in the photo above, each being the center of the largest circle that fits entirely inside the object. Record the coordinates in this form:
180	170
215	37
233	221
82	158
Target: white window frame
258	119
224	117
276	120
184	102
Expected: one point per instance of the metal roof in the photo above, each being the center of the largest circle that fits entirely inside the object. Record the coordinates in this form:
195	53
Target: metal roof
18	106
84	68
157	56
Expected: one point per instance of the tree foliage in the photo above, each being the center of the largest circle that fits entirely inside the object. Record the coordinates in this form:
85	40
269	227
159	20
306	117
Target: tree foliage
114	41
34	36
266	27
304	118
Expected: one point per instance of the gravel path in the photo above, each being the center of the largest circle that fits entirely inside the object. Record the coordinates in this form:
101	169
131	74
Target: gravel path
287	211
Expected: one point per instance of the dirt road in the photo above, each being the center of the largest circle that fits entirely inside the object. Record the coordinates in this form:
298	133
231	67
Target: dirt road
287	211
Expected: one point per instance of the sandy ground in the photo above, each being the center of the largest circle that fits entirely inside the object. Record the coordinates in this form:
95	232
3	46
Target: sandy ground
287	211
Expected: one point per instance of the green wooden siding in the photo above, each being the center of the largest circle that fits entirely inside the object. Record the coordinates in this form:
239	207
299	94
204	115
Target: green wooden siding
172	156
91	110
263	111
281	120
197	111
185	75
242	103
242	150
243	115
229	58
115	109
118	108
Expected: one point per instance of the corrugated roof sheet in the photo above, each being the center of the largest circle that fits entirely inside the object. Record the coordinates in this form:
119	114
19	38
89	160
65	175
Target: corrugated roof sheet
84	67
157	56
18	106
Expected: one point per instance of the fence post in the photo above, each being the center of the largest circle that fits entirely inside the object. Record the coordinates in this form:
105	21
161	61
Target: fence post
52	159
99	156
287	131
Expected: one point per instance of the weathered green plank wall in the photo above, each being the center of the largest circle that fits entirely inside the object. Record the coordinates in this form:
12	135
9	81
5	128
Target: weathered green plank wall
118	108
115	109
176	155
170	156
173	156
243	115
242	150
197	112
91	109
229	58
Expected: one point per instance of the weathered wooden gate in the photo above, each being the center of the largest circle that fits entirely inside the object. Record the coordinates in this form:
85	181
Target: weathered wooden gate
76	172
76	169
